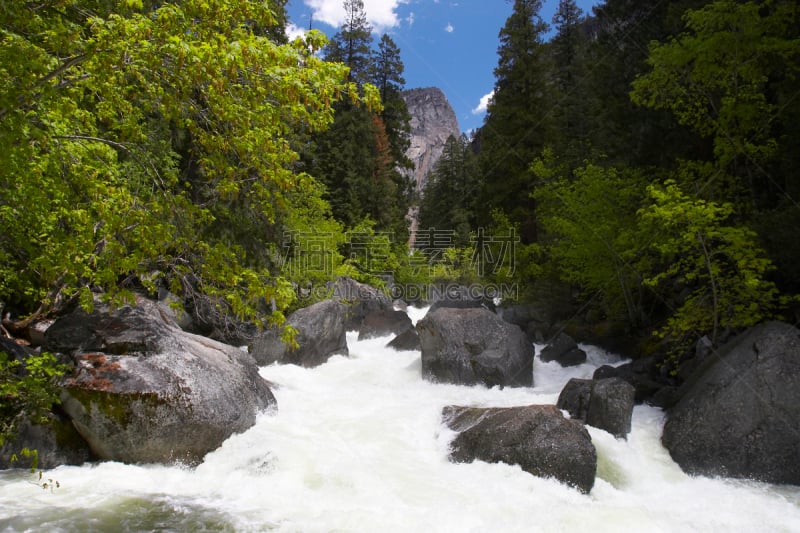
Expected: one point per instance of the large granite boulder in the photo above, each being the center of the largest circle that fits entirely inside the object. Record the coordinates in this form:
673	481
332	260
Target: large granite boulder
564	350
321	333
370	311
739	414
537	438
458	297
144	391
474	346
606	403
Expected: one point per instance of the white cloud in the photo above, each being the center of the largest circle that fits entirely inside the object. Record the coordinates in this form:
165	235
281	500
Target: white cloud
410	19
381	14
449	28
484	104
294	31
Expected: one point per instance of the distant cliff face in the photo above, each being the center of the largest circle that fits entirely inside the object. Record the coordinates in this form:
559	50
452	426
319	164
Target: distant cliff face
432	122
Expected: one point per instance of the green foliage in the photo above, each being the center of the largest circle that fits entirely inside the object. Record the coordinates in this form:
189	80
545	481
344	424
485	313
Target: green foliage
518	121
353	160
156	138
359	159
449	200
720	264
27	390
719	78
592	235
352	45
623	132
41	481
387	75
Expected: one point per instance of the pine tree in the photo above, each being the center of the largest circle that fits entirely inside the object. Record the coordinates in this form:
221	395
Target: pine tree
518	122
360	157
449	199
352	45
628	134
571	98
387	75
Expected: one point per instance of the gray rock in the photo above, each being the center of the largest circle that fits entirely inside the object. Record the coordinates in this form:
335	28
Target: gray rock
537	438
406	341
54	439
739	414
606	403
321	333
472	346
369	310
531	318
641	373
564	350
56	443
432	122
144	391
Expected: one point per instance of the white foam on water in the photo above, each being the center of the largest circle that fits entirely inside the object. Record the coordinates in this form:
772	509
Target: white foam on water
357	444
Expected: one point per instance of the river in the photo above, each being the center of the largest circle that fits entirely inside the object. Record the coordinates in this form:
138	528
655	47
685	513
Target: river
357	445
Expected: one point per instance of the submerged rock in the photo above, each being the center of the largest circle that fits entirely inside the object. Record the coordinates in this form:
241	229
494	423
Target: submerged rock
537	438
472	346
739	414
144	391
321	333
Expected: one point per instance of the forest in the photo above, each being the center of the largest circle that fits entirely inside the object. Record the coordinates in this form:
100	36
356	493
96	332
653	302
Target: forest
644	155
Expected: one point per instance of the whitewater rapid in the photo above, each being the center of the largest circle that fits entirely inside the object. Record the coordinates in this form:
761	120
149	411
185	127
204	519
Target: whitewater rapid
357	445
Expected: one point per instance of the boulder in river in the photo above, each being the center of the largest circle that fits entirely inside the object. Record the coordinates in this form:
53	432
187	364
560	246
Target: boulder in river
406	341
739	414
564	350
144	391
474	346
321	333
606	404
536	437
369	310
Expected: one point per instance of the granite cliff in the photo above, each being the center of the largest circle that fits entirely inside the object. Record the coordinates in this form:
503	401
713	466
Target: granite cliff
432	122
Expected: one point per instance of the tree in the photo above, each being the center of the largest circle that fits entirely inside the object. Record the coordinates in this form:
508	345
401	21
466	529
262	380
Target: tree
360	157
731	78
448	202
352	45
27	388
353	160
719	263
571	98
387	76
518	122
623	132
720	78
95	193
592	236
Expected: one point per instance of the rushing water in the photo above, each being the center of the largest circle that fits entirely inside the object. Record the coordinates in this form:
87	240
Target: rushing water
358	445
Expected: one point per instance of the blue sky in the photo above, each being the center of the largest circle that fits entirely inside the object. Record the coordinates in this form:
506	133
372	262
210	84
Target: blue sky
450	44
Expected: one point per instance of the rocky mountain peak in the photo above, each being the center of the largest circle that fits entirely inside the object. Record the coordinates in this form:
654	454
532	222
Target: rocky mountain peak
432	122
